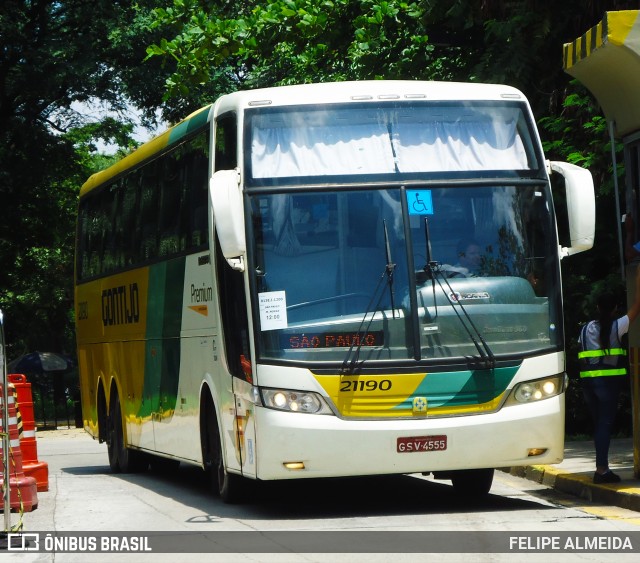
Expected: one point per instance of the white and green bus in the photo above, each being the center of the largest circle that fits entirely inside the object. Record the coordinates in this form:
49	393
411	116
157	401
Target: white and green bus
276	287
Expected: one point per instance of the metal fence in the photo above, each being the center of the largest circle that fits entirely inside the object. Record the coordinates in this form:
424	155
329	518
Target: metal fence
56	399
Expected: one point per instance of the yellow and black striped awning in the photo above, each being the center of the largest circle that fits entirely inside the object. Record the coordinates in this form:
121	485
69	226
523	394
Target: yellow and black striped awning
606	59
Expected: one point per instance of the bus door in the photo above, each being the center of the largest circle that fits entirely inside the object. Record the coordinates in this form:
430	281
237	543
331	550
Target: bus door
240	442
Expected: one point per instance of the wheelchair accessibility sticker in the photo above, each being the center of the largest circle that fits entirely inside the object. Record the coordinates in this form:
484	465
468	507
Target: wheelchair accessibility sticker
419	202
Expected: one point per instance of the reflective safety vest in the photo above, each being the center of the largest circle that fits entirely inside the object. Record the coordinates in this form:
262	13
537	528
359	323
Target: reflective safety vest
599	368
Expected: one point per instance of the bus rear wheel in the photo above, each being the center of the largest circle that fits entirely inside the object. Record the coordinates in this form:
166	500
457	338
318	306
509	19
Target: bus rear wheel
472	482
121	458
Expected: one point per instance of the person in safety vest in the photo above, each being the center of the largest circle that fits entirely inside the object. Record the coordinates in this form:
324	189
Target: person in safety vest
602	360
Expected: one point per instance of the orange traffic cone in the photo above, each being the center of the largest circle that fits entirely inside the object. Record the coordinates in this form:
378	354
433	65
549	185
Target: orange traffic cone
23	490
32	467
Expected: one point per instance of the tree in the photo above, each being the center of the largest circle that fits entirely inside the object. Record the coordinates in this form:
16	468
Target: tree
294	41
53	54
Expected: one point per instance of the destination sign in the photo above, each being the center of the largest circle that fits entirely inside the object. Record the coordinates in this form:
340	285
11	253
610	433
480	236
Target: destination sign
331	339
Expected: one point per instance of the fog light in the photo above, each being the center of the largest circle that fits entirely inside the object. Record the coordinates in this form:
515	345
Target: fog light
524	393
294	465
532	452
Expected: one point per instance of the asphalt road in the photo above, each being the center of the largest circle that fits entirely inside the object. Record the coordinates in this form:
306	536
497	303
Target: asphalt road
84	497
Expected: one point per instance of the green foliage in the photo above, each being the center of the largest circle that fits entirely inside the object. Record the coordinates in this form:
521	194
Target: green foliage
579	134
53	54
293	41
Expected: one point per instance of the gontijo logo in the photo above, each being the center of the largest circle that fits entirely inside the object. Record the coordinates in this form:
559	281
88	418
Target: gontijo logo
121	305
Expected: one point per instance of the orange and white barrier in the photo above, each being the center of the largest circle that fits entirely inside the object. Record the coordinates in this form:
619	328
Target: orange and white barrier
30	463
23	490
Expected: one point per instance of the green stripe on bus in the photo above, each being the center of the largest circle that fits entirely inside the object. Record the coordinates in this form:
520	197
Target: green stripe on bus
461	388
189	125
162	350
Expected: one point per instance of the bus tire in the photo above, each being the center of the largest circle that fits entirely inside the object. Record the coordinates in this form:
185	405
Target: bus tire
121	458
115	438
225	484
229	485
472	482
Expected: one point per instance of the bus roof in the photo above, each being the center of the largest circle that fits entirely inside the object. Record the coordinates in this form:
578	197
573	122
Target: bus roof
363	91
322	93
172	136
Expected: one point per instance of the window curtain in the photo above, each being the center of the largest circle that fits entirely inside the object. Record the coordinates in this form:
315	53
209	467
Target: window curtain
480	141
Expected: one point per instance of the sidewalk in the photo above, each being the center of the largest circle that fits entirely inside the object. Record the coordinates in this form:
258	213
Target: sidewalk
574	475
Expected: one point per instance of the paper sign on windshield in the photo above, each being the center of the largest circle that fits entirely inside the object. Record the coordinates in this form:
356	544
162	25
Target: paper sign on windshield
273	310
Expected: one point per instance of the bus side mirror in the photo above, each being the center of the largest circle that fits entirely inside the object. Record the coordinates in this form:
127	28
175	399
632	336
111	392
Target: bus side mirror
581	206
228	216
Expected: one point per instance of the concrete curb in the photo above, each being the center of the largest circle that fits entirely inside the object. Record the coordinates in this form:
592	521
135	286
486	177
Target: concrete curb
621	494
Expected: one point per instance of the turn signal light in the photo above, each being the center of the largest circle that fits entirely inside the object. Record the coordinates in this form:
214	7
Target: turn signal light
294	465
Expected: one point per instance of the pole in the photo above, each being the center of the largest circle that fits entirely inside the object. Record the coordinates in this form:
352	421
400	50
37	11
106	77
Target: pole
615	185
5	431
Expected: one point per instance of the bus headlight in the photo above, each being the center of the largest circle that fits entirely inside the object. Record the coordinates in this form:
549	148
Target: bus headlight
531	391
294	401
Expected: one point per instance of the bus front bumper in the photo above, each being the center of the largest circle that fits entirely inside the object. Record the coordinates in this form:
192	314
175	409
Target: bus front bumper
293	445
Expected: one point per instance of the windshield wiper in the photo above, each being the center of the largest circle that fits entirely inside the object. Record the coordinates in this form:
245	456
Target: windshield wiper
350	362
433	270
390	268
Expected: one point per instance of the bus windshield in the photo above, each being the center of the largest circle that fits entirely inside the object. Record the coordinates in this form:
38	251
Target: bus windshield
384	140
399	273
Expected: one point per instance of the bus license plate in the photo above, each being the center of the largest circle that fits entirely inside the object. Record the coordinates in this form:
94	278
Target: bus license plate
421	444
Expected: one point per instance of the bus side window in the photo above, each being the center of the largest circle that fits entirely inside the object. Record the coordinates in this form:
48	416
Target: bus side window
107	203
226	143
96	244
88	252
126	224
148	214
197	177
113	244
170	206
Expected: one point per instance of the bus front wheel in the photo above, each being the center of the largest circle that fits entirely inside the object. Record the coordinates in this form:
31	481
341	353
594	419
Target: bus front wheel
472	482
225	484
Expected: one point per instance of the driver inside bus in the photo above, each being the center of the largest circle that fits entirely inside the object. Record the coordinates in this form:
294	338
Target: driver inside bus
469	260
